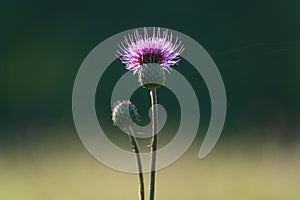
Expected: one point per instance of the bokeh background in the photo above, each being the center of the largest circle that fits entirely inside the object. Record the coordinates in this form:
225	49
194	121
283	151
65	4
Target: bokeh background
255	44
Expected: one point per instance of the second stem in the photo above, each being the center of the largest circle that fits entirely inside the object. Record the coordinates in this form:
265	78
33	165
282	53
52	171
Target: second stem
136	150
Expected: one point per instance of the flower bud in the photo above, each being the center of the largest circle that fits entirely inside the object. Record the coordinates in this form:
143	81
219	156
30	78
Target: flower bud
124	114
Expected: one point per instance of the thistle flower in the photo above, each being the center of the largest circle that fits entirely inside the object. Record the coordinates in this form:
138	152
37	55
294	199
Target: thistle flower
124	114
150	56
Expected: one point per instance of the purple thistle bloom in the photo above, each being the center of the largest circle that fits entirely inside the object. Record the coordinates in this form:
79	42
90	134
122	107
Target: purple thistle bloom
137	50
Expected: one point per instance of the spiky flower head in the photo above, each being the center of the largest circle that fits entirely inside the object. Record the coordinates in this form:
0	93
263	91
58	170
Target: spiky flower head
137	50
150	56
124	114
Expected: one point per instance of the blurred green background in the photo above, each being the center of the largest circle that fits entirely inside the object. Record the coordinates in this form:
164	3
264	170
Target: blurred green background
255	45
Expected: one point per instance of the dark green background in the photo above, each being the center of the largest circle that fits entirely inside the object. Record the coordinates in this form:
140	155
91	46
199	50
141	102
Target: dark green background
255	45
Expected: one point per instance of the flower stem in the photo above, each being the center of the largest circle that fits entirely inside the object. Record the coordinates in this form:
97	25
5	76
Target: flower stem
154	141
136	150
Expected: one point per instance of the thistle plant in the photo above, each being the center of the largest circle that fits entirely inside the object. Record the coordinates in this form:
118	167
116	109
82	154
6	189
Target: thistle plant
124	115
151	57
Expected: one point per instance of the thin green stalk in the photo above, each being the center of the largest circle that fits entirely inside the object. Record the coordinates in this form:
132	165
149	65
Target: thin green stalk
154	141
136	150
